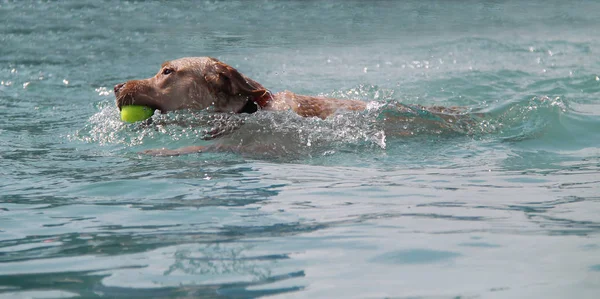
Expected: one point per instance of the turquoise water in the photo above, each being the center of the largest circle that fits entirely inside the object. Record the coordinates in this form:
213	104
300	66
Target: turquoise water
503	207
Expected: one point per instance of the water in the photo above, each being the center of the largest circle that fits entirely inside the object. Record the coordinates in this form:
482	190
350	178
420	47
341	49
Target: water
506	207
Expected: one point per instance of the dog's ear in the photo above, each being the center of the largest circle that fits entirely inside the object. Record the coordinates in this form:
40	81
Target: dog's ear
222	78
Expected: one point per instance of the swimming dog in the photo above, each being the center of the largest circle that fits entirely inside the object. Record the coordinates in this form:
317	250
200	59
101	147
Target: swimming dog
206	83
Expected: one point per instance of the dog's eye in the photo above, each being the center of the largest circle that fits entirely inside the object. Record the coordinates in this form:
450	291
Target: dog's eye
167	71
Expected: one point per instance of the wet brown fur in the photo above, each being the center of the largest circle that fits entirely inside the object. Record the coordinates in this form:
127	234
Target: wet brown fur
205	82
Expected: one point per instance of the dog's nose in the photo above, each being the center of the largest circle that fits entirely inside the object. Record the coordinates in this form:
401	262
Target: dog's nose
118	87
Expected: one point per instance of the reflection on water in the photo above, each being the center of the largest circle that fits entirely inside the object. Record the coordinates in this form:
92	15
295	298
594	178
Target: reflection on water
88	284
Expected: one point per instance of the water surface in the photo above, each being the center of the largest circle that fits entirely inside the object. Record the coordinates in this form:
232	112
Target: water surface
506	207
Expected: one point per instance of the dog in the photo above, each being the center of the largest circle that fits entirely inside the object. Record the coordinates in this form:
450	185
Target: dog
206	83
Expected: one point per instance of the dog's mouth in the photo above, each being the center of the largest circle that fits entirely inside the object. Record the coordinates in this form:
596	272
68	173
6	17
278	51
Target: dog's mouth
140	100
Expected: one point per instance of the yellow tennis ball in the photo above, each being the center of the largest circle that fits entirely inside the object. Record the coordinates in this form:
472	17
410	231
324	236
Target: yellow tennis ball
133	113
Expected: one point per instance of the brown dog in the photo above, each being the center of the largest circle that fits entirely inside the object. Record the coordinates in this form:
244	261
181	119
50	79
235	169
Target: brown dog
205	82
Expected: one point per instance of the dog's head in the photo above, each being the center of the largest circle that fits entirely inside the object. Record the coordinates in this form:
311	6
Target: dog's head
192	83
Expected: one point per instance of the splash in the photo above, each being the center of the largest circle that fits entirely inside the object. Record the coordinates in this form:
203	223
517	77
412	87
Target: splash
385	119
105	127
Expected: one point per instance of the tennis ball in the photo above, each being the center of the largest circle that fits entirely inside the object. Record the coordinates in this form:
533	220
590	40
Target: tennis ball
133	113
